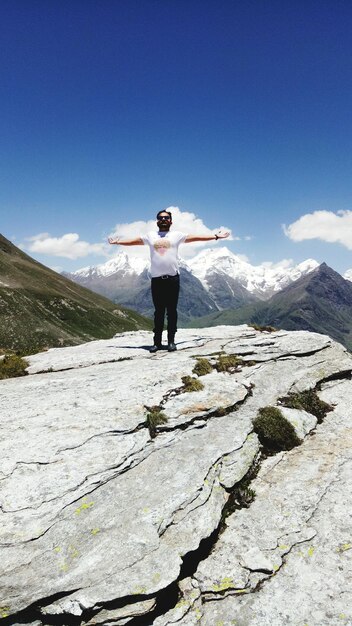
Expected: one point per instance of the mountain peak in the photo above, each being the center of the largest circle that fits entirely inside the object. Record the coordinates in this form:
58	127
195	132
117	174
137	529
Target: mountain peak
261	281
215	252
210	257
309	264
324	267
328	284
122	261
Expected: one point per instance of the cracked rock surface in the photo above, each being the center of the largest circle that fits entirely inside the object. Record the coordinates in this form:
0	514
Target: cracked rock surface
100	519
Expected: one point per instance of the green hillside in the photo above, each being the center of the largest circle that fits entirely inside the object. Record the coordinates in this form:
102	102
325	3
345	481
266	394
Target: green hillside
40	308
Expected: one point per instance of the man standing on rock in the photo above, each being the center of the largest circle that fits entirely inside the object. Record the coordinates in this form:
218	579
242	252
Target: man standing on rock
163	246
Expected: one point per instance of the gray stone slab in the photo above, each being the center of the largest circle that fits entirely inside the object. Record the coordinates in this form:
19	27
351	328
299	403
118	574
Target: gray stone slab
300	521
96	512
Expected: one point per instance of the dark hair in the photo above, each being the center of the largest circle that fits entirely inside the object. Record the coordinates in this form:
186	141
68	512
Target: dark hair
163	211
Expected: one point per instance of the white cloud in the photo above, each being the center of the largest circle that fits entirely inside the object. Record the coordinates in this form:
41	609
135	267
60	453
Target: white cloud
39	237
323	225
71	247
56	268
243	257
283	264
68	246
181	220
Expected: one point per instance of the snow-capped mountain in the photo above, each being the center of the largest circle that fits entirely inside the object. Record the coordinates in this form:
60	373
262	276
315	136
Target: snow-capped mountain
262	280
125	280
213	280
122	262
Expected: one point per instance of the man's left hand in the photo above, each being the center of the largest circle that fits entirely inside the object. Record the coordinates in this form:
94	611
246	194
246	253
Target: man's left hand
223	235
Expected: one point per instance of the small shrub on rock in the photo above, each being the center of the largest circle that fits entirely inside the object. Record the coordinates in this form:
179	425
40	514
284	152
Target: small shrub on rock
221	411
274	431
202	367
242	495
241	498
12	366
191	384
262	329
155	417
231	363
227	362
307	401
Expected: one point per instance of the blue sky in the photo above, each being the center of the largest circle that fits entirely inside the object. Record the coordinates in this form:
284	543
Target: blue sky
238	112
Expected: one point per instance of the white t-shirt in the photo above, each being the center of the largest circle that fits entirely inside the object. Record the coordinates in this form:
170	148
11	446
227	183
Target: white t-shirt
164	251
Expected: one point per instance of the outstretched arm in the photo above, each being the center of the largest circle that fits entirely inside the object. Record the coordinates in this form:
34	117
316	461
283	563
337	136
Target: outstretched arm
126	242
191	238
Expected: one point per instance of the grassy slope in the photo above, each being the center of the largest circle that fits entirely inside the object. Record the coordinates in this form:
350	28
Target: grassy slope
40	308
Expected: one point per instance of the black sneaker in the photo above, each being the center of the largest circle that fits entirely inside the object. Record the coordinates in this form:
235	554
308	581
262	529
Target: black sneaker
155	348
171	347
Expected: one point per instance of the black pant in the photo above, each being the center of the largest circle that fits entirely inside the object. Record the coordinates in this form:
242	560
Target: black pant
165	296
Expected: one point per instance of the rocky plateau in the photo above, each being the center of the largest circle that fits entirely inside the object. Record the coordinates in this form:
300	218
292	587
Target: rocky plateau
127	499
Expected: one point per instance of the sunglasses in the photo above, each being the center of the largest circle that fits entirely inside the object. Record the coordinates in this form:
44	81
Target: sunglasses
164	217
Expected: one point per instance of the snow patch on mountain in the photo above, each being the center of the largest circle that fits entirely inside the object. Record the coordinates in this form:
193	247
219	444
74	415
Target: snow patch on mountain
348	275
259	280
122	262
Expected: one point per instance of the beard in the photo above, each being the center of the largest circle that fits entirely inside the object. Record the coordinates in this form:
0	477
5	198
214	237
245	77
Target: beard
164	226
